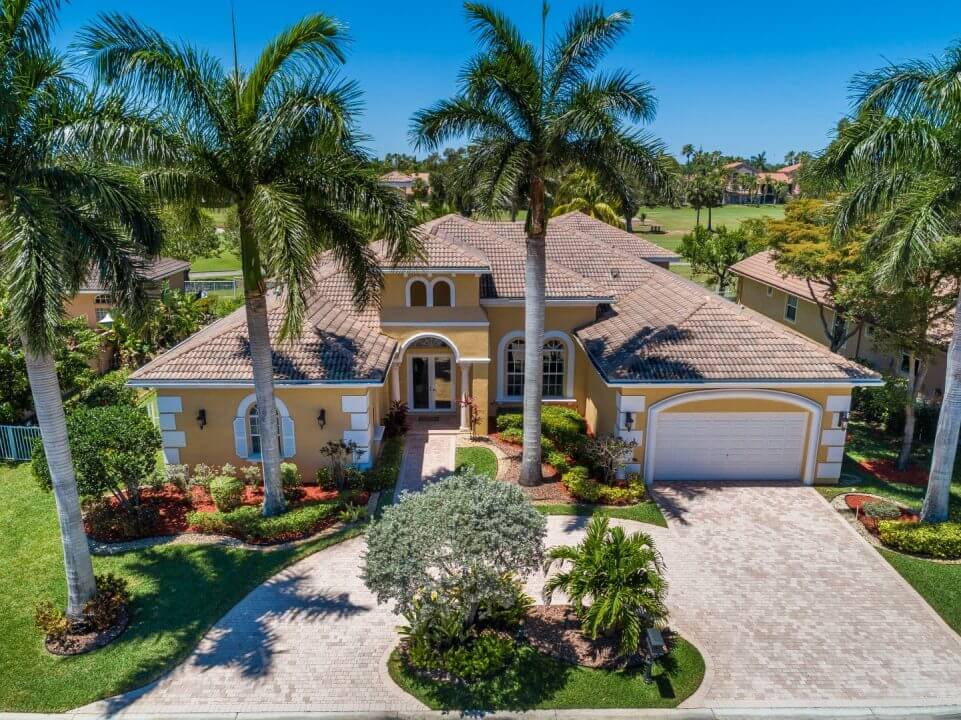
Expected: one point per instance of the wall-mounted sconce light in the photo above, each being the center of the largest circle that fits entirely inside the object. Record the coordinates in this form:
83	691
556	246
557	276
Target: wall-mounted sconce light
628	420
202	418
322	418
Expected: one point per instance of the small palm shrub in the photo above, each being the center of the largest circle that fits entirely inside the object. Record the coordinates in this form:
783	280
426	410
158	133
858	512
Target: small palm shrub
614	580
227	492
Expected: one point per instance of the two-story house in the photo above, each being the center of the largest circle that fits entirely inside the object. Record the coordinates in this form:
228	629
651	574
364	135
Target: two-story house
706	390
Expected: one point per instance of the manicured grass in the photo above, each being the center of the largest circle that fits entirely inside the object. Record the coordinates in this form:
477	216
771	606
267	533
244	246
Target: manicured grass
481	459
938	583
538	681
678	221
645	512
178	591
221	262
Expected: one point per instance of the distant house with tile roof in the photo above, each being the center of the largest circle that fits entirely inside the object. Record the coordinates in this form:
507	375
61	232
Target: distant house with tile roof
798	304
405	182
766	189
706	389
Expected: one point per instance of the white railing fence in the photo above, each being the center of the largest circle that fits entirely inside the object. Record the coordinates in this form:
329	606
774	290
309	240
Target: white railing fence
196	286
16	441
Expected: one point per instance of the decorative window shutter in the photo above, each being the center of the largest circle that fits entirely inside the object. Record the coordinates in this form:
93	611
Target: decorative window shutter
240	437
288	444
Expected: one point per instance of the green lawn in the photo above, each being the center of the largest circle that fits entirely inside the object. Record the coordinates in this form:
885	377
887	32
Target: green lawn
538	681
481	459
938	583
679	221
221	262
178	593
645	512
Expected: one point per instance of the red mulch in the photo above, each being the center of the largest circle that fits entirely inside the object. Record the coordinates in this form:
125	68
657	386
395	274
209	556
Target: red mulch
887	470
856	502
255	496
79	643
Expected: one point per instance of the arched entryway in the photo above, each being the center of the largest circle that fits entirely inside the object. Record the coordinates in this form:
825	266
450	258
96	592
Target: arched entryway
425	376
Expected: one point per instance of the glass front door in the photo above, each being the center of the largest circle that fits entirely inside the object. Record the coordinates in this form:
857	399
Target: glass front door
431	382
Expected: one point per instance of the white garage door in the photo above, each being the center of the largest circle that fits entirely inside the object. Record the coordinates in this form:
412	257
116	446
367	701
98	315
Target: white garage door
729	446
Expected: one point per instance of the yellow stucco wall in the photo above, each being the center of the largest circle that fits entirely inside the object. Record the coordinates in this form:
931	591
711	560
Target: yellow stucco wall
466	288
754	295
214	444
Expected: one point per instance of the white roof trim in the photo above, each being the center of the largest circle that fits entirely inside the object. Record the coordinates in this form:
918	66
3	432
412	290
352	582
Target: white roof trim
201	384
550	301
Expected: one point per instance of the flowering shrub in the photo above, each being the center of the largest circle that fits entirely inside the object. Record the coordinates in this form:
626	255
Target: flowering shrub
227	492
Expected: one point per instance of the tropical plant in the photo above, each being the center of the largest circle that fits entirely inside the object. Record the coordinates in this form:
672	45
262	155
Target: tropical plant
581	191
609	453
620	575
713	252
531	112
898	164
63	215
279	144
445	553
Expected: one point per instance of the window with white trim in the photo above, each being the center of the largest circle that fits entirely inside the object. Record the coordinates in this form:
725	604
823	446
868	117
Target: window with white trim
515	368
253	432
790	309
442	294
554	369
101	313
554	351
102	300
417	294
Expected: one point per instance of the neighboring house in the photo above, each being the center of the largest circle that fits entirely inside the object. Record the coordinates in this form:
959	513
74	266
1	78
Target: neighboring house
766	189
404	182
707	390
94	303
794	302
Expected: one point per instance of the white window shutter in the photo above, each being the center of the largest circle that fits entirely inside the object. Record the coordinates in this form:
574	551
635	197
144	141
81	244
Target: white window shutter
240	437
288	444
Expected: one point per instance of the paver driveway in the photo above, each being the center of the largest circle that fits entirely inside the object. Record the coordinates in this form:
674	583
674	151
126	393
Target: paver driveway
789	606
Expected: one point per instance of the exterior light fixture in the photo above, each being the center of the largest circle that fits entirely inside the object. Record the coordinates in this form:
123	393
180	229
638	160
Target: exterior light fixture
628	420
201	418
106	320
656	649
322	418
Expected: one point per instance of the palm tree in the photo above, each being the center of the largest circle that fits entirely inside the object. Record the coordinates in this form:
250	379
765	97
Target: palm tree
581	191
898	162
620	575
759	161
531	112
278	142
687	151
62	215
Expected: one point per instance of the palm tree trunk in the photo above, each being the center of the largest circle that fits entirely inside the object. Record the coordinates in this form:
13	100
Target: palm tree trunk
261	359
697	221
935	508
81	584
910	417
708	217
535	272
629	222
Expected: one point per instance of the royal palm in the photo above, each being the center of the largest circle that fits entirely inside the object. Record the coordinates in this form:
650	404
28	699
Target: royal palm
62	216
278	142
532	112
898	163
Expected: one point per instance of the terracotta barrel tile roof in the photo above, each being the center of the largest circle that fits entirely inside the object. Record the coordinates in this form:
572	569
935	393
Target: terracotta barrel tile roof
761	267
152	270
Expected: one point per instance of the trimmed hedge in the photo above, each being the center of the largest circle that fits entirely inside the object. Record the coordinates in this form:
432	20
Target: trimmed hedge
564	426
246	523
227	492
937	540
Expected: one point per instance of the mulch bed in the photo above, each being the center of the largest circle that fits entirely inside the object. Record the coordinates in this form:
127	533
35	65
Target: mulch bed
856	502
170	506
555	630
80	643
551	490
887	470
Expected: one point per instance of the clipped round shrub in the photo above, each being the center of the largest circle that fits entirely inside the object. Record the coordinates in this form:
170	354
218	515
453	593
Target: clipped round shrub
227	492
563	425
937	540
881	510
510	421
291	481
580	484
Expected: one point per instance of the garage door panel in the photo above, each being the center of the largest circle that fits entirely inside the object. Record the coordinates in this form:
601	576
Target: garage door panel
729	446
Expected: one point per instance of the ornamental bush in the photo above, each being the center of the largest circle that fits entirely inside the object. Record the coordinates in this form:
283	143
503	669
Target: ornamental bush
881	510
558	461
227	492
513	435
937	540
443	553
248	524
563	426
114	451
108	389
580	484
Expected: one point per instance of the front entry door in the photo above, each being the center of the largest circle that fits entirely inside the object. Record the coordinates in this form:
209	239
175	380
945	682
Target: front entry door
431	382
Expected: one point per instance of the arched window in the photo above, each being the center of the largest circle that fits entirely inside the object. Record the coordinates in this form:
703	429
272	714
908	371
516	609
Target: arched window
443	294
515	368
253	431
417	294
554	362
556	367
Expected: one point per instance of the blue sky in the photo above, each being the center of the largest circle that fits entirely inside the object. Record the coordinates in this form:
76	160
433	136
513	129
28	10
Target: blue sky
736	76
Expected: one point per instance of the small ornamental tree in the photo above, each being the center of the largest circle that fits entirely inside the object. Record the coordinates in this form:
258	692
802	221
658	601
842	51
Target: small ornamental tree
609	453
444	553
114	451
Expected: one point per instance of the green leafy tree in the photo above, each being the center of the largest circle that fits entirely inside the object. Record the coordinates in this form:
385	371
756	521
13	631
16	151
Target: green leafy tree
443	553
189	233
898	165
278	143
63	213
615	582
581	191
713	252
530	112
114	449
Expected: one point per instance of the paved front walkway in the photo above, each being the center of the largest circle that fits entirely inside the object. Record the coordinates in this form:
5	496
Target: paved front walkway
789	606
428	457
